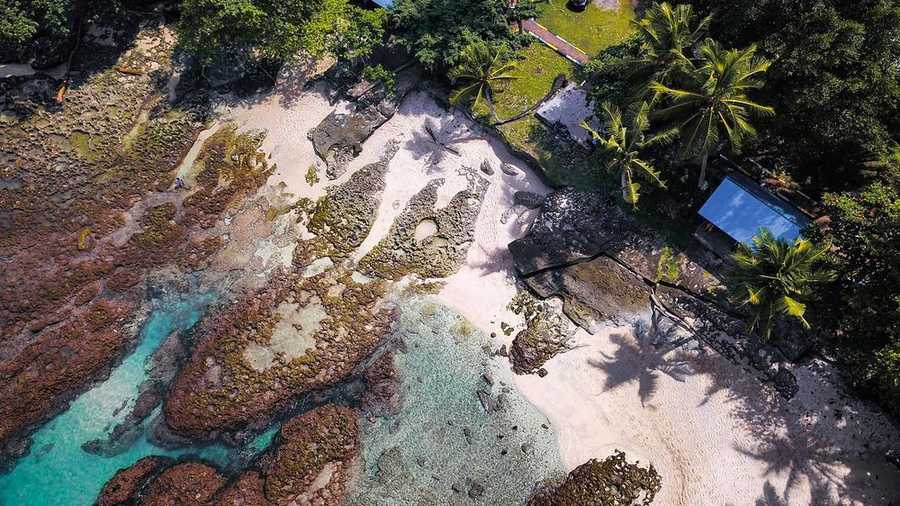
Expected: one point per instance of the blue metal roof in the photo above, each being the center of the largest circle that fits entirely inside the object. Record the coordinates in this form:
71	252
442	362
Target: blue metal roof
384	3
740	208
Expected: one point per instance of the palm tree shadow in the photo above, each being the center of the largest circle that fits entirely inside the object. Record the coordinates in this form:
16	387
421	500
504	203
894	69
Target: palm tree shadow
770	497
641	359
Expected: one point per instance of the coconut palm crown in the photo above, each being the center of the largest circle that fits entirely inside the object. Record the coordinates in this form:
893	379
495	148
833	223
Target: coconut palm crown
481	71
668	33
713	101
623	145
774	278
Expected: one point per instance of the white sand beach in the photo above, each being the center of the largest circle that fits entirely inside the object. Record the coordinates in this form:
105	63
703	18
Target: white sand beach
716	433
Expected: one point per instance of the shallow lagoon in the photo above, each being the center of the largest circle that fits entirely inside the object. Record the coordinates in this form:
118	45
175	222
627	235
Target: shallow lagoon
443	445
442	438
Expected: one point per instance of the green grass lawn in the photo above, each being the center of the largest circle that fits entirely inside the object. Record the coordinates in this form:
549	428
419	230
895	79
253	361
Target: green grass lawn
591	30
537	67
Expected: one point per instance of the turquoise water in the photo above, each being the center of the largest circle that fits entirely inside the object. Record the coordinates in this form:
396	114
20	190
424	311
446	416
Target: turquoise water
442	438
58	472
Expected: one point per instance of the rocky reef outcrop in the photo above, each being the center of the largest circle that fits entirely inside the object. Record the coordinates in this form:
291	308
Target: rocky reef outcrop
607	482
89	208
309	462
342	218
425	240
128	482
584	249
256	356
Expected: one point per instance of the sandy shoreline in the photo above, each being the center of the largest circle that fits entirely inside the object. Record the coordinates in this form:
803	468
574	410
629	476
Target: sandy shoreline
717	435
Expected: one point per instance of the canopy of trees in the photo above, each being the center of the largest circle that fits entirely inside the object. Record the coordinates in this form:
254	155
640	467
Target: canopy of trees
437	31
833	81
29	25
279	29
864	302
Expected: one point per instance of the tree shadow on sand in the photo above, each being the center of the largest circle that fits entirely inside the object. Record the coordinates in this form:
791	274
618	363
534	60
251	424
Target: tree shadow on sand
821	444
643	359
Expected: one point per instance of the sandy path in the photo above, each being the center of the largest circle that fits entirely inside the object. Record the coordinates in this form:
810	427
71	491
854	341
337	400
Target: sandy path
716	434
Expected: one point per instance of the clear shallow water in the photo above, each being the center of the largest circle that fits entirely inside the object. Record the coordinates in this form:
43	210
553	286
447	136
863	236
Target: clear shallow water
417	456
58	472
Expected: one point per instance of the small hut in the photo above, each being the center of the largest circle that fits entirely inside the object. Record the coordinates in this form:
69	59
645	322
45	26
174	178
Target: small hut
739	208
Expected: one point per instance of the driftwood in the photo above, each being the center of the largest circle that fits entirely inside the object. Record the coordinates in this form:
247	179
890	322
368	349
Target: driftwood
128	70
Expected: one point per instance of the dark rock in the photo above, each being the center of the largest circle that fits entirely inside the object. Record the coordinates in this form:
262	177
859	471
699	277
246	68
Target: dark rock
486	168
467	433
786	383
542	372
488	377
528	199
593	291
476	490
509	170
487	402
503	351
573	225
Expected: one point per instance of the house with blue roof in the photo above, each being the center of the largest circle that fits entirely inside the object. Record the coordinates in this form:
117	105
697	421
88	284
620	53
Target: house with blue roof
739	208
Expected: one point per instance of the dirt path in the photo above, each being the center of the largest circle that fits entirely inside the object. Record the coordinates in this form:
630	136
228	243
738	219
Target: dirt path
561	45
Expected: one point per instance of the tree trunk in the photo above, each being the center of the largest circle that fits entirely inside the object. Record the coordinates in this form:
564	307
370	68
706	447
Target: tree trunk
701	184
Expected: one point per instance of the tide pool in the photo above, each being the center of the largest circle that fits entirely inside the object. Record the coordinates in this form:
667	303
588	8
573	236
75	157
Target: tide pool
443	444
58	472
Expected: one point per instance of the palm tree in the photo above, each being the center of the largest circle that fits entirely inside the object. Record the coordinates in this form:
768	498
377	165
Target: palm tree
714	99
774	277
481	69
667	32
623	148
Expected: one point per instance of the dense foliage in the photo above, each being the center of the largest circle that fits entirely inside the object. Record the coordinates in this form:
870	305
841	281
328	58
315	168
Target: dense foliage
436	31
624	145
29	25
833	81
865	304
278	29
709	100
775	279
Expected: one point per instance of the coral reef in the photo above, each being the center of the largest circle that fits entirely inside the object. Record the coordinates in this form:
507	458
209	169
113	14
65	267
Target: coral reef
88	210
251	361
427	241
607	482
309	462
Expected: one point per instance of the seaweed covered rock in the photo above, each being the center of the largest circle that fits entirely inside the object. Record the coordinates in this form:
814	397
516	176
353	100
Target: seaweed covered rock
545	335
612	481
127	483
185	483
87	212
312	463
255	356
341	220
425	240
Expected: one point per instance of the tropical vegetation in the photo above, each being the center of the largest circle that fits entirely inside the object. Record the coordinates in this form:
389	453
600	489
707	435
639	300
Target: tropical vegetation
623	148
281	30
712	101
774	278
480	72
